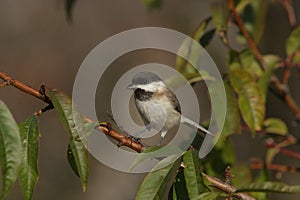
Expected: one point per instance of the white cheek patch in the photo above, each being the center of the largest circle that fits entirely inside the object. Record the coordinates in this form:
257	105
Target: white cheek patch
152	87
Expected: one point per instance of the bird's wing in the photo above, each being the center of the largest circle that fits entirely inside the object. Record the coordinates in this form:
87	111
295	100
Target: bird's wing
172	97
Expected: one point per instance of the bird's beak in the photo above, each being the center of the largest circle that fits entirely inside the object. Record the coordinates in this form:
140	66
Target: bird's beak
131	86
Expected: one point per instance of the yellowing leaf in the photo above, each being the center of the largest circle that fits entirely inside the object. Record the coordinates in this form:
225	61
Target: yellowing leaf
275	125
250	98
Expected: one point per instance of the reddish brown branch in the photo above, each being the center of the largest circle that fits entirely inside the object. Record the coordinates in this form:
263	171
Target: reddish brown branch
290	140
121	138
287	4
244	31
23	87
275	167
40	94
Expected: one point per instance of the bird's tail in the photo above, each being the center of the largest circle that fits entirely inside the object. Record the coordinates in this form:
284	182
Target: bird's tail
196	125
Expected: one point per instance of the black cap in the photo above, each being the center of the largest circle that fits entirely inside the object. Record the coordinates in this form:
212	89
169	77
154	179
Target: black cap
144	78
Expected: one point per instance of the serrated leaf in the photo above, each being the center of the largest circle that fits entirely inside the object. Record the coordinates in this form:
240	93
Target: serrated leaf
74	124
250	98
220	14
275	125
207	196
275	187
10	149
192	175
29	174
293	43
155	152
154	184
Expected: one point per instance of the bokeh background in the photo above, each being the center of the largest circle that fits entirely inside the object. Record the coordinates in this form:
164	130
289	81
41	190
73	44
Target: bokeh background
38	45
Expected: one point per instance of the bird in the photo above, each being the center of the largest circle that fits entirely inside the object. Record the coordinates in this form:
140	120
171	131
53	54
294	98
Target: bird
157	105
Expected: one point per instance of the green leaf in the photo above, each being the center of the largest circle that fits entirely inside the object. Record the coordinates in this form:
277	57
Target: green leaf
252	106
232	123
69	5
29	174
154	184
152	3
179	187
207	37
262	177
244	59
293	43
10	149
250	98
192	175
155	152
254	15
220	14
268	186
172	193
242	174
191	52
271	61
71	160
207	196
73	122
275	125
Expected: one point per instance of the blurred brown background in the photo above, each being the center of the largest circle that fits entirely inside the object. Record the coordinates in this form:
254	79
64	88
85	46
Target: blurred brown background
37	46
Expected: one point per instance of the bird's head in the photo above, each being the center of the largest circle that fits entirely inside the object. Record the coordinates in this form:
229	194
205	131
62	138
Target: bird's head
147	81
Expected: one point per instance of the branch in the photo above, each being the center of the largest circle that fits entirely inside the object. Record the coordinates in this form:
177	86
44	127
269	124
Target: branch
287	5
41	95
227	188
281	88
275	167
244	31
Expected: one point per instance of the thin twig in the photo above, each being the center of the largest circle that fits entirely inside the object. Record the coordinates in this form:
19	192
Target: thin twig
228	189
287	5
244	31
41	95
275	167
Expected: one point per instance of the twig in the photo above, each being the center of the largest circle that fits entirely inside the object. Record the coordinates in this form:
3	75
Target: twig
229	189
275	167
244	31
287	5
41	95
290	140
23	87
